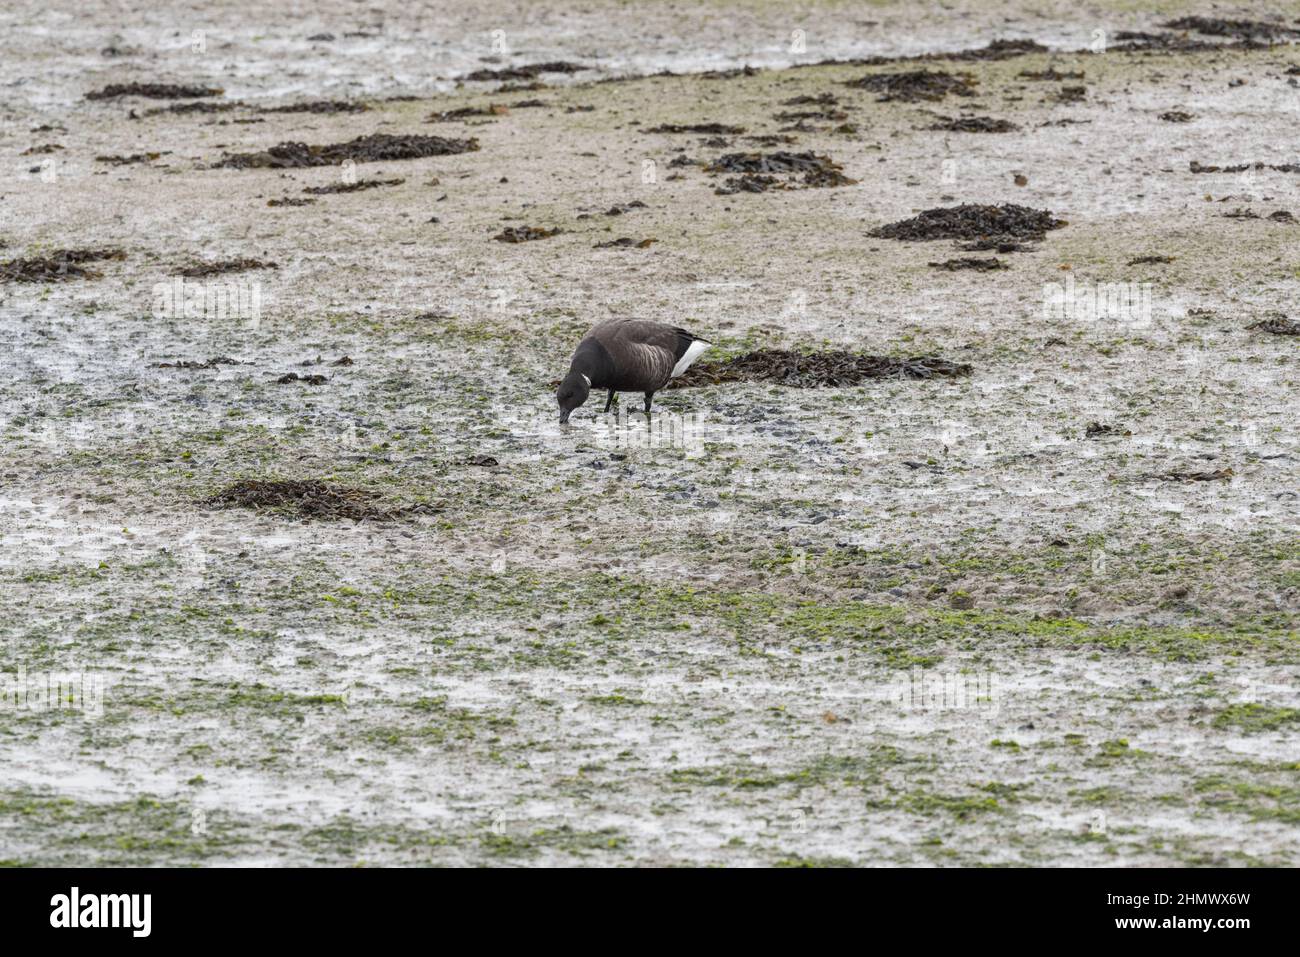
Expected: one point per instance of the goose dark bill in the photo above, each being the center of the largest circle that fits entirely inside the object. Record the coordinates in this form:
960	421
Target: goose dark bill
627	355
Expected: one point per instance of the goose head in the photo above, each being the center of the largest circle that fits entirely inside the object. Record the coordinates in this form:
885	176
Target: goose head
573	391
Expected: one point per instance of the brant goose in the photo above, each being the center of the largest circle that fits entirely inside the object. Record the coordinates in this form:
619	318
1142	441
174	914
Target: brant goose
627	355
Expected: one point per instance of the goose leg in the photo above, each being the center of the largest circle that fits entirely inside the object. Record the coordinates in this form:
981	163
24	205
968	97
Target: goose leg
649	397
610	401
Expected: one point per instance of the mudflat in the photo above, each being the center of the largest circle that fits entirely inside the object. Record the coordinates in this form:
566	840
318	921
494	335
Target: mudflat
927	562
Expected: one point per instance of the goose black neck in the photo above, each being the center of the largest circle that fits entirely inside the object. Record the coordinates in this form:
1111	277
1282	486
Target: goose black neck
594	361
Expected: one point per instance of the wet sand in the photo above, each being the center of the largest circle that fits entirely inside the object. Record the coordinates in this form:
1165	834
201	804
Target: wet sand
904	622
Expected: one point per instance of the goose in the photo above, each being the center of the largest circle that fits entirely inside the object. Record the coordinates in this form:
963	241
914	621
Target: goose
627	355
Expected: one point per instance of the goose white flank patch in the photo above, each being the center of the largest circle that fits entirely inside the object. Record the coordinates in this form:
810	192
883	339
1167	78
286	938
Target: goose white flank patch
692	353
627	355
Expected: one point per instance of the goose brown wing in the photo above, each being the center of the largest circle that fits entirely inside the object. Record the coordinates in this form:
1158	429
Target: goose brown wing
644	352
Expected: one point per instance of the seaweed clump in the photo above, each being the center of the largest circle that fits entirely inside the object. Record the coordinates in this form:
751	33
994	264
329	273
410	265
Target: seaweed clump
974	124
1000	244
154	91
199	106
525	234
527	72
224	266
805	370
1277	325
913	85
1237	29
354	187
972	221
467	112
319	107
60	265
363	149
999	50
1196	167
212	363
626	242
312	499
758	172
991	264
133	158
1051	75
707	129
